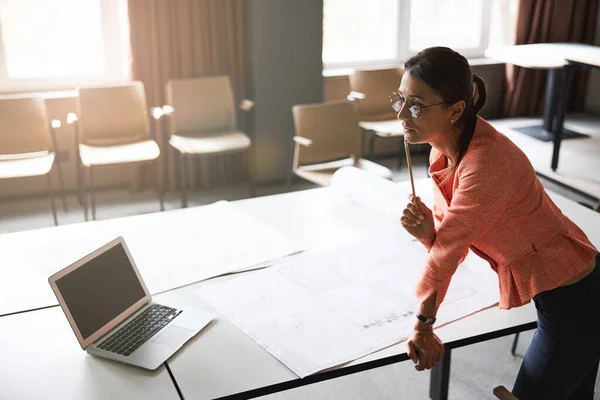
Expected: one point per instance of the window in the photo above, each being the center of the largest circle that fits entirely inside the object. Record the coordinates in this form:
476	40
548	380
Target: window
359	33
57	44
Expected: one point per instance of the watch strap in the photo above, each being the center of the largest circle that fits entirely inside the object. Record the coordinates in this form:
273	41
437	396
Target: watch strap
427	320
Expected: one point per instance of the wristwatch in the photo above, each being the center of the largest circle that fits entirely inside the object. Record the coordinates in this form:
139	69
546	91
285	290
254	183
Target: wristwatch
427	320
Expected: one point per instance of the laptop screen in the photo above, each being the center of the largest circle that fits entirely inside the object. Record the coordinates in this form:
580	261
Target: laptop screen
100	290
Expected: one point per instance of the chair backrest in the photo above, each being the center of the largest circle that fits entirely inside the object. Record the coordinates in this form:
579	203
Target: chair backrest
333	128
24	126
201	104
113	115
376	85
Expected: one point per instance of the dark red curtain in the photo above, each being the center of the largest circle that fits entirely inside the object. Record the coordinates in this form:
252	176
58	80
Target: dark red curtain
547	21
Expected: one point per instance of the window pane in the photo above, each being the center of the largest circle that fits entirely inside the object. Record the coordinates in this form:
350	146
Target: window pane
52	38
359	30
503	25
452	23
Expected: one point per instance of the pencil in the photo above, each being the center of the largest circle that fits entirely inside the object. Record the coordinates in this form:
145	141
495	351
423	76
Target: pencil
412	181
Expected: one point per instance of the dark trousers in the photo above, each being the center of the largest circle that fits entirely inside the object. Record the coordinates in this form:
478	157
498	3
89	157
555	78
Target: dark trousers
562	360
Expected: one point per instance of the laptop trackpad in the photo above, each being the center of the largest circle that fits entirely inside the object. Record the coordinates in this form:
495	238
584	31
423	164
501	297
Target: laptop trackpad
173	336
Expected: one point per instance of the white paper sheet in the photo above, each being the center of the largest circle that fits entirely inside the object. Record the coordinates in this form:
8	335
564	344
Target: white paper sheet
19	273
324	310
210	241
172	249
379	195
364	189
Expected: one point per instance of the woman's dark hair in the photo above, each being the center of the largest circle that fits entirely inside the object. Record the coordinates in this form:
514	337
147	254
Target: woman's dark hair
449	75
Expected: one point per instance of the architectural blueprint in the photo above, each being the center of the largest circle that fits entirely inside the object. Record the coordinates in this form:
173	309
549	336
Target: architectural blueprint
322	310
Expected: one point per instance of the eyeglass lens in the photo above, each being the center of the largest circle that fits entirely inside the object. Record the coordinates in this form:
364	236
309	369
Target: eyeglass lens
398	101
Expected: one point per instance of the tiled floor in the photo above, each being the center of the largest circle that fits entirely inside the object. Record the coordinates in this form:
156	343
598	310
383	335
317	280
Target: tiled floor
579	161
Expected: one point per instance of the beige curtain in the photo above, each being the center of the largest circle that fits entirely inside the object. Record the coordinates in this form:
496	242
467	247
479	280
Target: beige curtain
186	39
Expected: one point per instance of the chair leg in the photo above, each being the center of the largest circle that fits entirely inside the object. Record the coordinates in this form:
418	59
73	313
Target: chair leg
183	180
372	146
81	182
80	179
61	186
363	132
51	194
82	189
92	193
250	164
513	349
290	174
159	184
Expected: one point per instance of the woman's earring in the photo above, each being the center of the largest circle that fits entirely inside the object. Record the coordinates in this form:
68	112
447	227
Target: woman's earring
452	120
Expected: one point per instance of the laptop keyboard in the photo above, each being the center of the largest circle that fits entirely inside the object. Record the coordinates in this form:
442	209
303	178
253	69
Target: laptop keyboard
137	331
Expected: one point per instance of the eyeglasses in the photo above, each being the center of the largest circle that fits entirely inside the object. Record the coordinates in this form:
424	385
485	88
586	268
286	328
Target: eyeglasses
397	101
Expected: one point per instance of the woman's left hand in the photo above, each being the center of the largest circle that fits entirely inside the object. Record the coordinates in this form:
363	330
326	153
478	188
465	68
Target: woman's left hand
425	348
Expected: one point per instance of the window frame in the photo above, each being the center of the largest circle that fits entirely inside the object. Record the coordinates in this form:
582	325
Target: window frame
403	51
114	31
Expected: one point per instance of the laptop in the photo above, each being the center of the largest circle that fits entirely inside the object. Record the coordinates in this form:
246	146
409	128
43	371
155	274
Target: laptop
112	313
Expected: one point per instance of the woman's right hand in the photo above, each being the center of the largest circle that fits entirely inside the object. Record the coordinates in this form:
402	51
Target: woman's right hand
425	349
417	219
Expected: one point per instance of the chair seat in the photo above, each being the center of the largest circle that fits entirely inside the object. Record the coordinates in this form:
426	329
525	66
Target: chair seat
20	166
388	128
211	143
321	173
126	153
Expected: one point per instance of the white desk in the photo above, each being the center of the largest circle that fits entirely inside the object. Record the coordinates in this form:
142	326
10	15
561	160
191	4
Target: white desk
226	362
41	359
590	57
534	56
556	58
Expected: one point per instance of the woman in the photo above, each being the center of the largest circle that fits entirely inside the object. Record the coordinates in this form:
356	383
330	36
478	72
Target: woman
488	199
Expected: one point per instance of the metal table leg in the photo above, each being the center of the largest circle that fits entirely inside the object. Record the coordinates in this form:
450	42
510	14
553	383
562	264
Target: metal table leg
561	110
439	381
551	99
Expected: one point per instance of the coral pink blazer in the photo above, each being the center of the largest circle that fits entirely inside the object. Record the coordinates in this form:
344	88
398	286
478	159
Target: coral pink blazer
495	205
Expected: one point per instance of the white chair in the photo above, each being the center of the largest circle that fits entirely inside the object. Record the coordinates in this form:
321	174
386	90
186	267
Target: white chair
113	127
202	123
28	144
327	139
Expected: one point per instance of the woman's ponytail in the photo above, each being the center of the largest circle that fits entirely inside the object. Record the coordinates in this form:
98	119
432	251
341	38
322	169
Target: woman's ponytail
480	95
